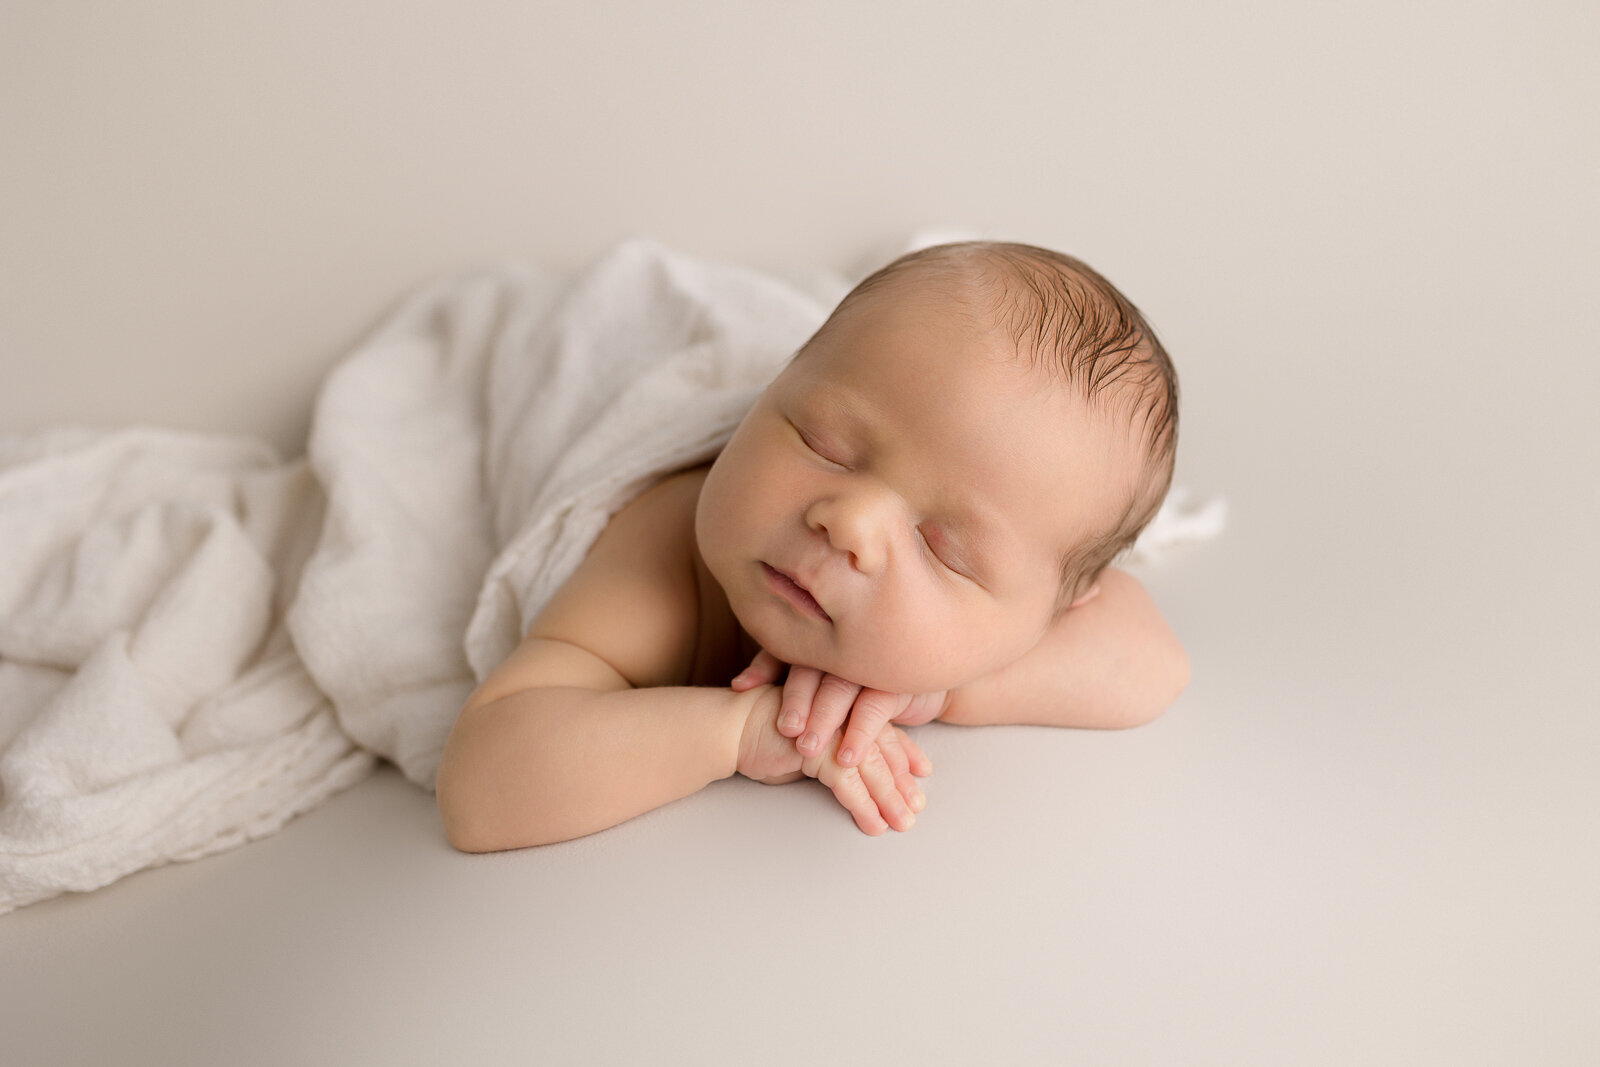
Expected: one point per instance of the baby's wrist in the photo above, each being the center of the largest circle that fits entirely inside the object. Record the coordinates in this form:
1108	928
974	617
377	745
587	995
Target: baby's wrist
756	710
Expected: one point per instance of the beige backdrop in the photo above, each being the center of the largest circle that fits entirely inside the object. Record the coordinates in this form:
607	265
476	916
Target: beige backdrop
1367	232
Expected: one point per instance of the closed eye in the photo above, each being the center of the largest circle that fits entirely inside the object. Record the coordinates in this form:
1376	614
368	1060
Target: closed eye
821	451
943	558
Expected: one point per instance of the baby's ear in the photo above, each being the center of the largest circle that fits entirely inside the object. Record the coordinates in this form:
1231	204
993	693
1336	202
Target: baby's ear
1086	596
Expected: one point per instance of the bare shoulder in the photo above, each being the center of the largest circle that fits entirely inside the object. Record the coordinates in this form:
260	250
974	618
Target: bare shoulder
633	603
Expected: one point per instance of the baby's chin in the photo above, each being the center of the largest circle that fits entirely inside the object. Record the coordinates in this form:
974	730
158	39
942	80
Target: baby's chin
866	666
897	678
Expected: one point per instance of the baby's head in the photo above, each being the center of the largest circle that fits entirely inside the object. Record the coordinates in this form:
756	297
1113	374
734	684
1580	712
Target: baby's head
1061	316
947	465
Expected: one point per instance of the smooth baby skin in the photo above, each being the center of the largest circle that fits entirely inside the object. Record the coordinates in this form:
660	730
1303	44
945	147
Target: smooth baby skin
890	516
612	706
921	483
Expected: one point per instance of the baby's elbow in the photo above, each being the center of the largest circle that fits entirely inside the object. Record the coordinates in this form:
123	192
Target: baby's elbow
498	790
1163	683
477	829
481	815
1181	672
466	840
464	826
465	836
471	822
1167	684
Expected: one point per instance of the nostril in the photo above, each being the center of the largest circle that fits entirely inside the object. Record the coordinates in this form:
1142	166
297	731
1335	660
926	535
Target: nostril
852	526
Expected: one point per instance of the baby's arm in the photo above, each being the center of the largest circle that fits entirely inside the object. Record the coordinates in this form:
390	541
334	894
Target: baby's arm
1109	663
553	762
575	752
588	723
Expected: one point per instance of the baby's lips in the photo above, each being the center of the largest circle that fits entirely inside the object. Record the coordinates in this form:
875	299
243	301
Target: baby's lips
795	591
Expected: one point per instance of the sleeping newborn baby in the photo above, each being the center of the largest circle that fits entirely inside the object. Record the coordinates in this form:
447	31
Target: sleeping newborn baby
915	521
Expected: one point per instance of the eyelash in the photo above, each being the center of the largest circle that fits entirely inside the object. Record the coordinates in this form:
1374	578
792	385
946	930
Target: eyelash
946	564
806	440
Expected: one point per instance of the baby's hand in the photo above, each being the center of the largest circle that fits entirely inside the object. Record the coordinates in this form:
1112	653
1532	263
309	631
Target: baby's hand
764	753
816	703
880	793
875	792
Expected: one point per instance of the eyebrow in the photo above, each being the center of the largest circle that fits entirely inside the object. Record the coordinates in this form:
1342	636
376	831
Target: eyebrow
831	398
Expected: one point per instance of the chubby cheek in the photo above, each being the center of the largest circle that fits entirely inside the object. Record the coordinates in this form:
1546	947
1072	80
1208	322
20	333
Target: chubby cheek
750	484
923	648
733	527
730	501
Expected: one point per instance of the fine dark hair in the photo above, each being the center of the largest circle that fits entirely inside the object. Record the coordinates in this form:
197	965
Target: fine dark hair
1065	315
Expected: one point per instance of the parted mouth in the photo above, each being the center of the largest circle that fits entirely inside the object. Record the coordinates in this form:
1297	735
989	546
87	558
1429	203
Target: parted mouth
796	594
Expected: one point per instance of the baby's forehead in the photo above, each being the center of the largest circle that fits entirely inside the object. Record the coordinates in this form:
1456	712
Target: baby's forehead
956	286
1006	312
974	412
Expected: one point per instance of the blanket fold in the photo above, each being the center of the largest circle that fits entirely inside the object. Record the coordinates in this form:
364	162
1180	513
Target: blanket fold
199	641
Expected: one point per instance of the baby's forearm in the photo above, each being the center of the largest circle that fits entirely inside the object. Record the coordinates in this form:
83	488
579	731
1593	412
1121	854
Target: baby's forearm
549	764
1111	663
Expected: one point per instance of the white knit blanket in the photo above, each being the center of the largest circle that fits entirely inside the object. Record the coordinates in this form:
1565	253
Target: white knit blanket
199	641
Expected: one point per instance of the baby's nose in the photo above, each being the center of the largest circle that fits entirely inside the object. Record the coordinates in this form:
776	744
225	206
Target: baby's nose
859	524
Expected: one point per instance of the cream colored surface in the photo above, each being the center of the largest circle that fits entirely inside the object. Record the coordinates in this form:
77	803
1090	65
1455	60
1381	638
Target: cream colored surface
1368	831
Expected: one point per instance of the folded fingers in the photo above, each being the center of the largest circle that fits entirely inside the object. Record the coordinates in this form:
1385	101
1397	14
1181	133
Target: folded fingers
892	745
829	703
879	780
873	708
765	669
920	764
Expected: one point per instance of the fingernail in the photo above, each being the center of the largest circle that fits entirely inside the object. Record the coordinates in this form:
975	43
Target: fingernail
918	801
791	720
810	741
847	756
911	820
